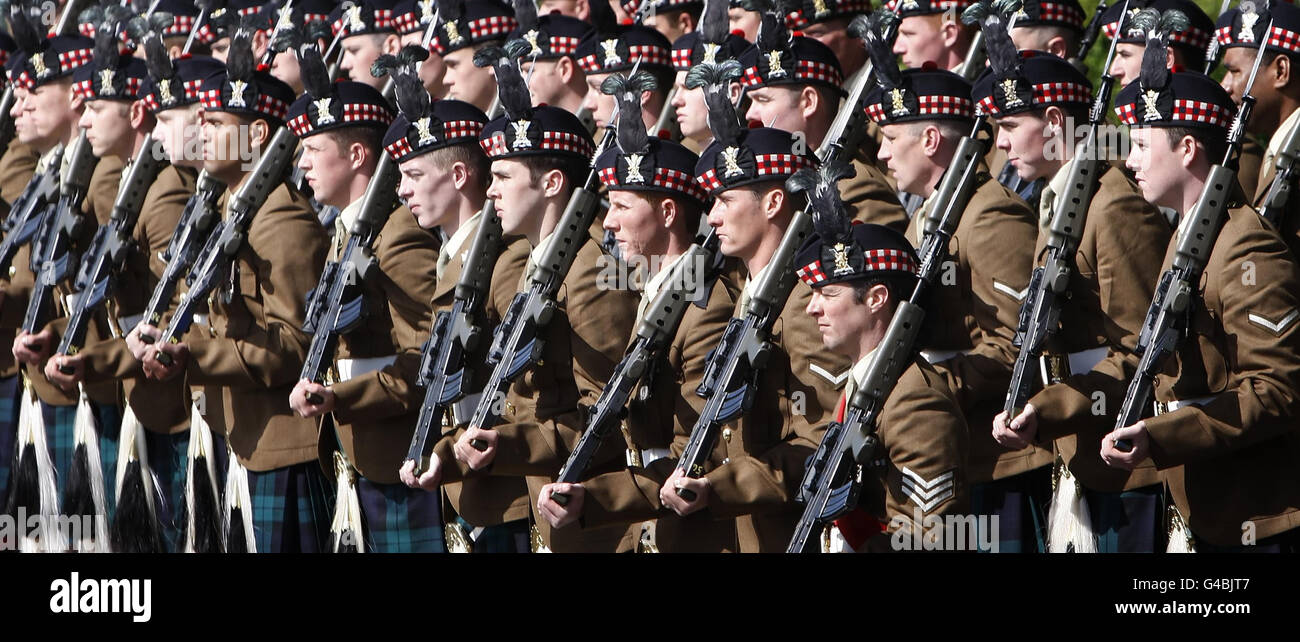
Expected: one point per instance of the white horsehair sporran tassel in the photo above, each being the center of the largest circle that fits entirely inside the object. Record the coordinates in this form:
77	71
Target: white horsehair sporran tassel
37	462
202	490
345	529
1069	525
86	436
1180	537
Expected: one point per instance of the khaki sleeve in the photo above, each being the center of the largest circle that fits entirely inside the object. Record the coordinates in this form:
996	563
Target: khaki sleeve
1259	319
288	246
927	442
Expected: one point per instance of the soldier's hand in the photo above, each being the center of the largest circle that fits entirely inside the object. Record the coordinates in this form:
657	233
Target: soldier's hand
669	497
301	403
1020	433
1136	435
65	381
474	458
33	349
154	369
137	345
559	515
428	480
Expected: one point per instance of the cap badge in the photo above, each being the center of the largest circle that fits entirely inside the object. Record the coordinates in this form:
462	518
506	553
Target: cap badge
531	39
819	8
611	53
521	134
323	116
453	33
1149	98
237	88
841	252
634	168
38	64
711	53
1010	93
423	127
1247	33
731	165
896	107
106	82
774	68
355	23
165	91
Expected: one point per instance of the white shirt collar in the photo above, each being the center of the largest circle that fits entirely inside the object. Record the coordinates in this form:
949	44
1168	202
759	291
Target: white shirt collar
466	229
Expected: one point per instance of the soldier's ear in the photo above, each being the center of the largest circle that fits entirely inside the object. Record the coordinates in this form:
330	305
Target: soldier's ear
1282	73
392	44
140	116
553	183
877	298
668	208
809	101
1058	47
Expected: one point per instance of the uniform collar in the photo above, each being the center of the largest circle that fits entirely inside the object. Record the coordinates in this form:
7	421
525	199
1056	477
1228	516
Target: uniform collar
466	229
1057	185
859	374
655	284
351	213
1279	136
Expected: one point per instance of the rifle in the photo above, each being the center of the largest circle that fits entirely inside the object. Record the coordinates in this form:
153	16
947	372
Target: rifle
6	122
28	210
55	253
850	123
337	304
667	121
517	343
833	479
1166	320
1090	34
1041	312
975	57
97	279
213	263
686	284
1284	178
197	220
445	371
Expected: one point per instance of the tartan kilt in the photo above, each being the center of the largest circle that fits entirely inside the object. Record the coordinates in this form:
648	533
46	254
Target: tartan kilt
60	425
398	519
1019	503
1131	521
292	509
9	387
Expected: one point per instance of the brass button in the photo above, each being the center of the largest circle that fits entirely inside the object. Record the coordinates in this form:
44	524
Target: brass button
510	408
726	435
13	269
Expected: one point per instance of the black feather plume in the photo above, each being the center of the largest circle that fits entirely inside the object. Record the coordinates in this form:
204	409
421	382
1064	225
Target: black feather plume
318	30
511	88
107	45
772	32
714	25
156	58
602	18
288	38
877	31
315	76
450	10
160	20
831	218
239	59
1002	53
1154	72
631	131
716	79
526	15
412	98
23	31
92	15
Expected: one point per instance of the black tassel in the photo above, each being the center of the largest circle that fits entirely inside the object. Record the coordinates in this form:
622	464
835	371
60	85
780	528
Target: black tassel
135	529
79	497
526	15
207	517
831	219
25	486
236	542
871	30
714	25
716	80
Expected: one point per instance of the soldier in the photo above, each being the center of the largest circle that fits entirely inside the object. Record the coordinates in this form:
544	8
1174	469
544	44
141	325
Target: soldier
221	26
612	47
1186	46
654	216
744	20
672	18
975	305
551	64
465	27
254	348
858	274
1103	311
795	84
932	31
1054	27
368	31
412	18
445	175
827	22
759	460
117	125
341	125
185	19
711	43
539	156
1276	91
48	113
1224	432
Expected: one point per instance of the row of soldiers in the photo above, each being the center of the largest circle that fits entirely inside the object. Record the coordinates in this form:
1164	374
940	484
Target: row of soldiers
214	439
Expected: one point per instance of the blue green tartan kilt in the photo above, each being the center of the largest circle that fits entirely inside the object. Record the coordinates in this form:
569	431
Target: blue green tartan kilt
9	387
60	424
292	509
1131	521
399	519
1020	504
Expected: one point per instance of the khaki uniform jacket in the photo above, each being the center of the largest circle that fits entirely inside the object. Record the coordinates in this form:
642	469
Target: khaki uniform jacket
161	406
664	419
761	456
925	443
17	166
1290	225
481	500
98	210
584	341
397	321
1115	274
1236	454
974	308
255	344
